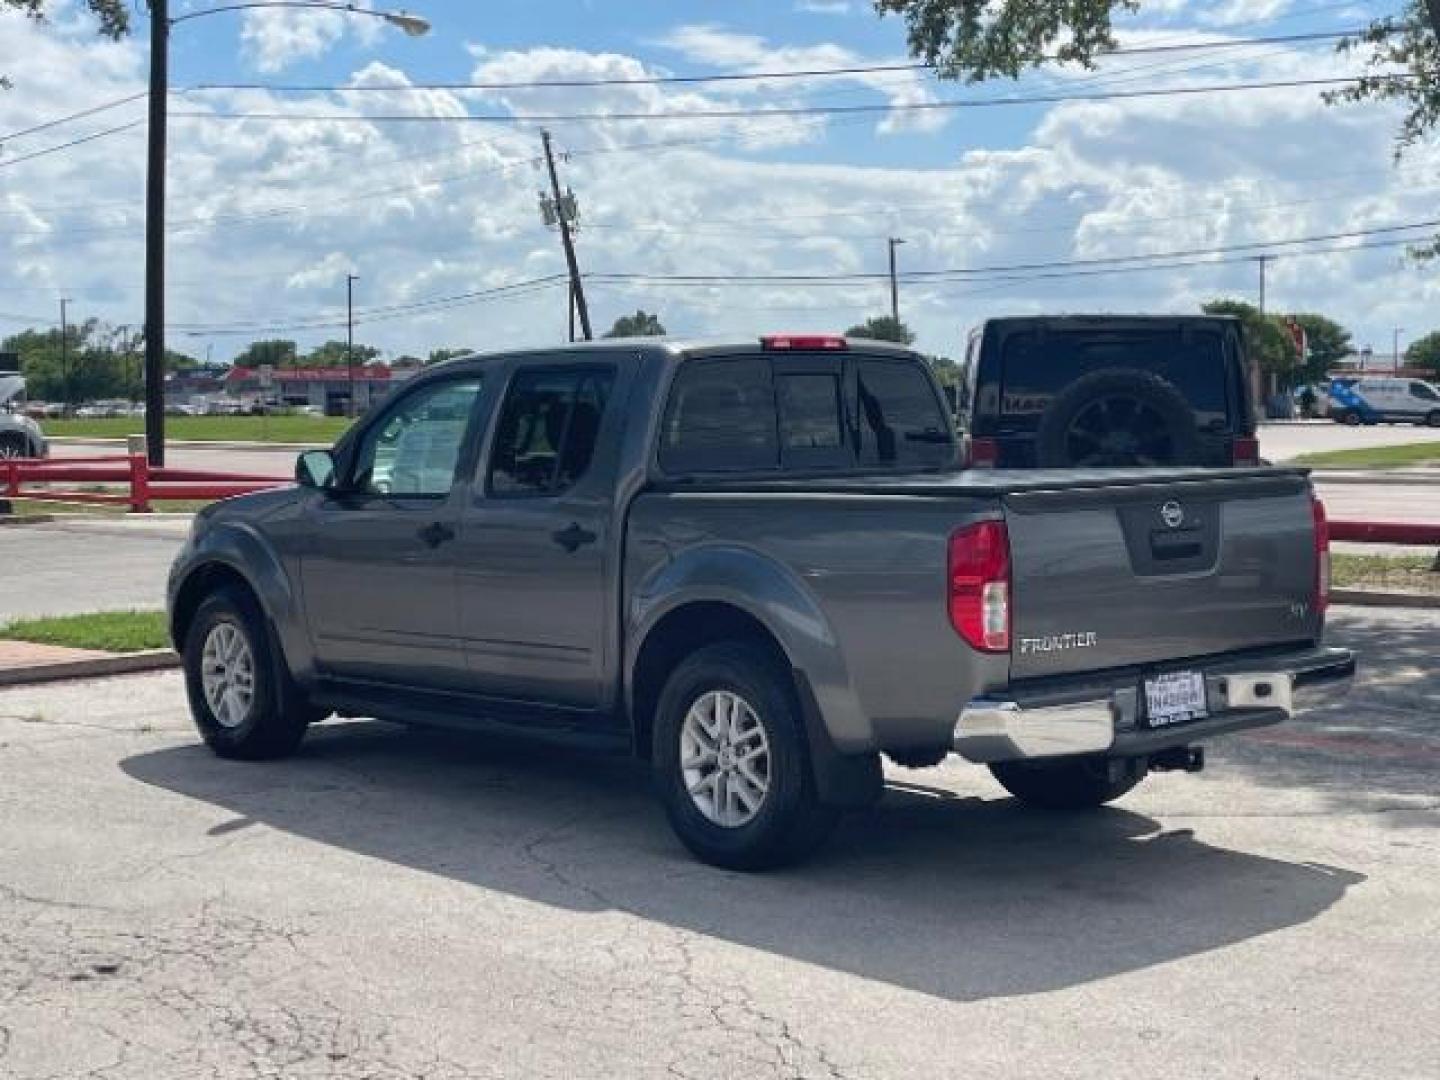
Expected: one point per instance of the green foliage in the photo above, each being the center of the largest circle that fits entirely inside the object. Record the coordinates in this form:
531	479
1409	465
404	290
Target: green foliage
334	354
439	356
883	328
1424	352
277	352
1267	339
107	631
114	17
319	430
641	324
947	372
1326	341
979	39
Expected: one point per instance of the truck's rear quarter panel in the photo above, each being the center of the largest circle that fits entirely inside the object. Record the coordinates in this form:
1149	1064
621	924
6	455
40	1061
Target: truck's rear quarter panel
875	569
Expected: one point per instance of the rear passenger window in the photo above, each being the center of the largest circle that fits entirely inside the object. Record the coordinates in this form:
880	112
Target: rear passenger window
809	411
721	415
900	418
548	429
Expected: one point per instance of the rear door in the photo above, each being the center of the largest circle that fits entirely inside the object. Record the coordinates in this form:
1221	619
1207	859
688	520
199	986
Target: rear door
535	576
1130	575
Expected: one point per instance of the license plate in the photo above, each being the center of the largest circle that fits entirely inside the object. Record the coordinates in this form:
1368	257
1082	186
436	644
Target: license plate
1174	698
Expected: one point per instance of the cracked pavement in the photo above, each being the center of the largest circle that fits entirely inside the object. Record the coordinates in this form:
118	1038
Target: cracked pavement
395	903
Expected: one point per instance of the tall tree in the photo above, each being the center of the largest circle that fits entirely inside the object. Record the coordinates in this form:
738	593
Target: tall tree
1326	344
335	354
883	328
114	16
1424	352
278	352
980	39
1267	339
439	356
641	324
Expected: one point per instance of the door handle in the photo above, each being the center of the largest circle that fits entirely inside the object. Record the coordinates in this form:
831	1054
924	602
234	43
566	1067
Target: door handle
435	534
573	537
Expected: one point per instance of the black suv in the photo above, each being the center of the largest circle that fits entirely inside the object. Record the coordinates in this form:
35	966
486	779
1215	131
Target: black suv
1080	391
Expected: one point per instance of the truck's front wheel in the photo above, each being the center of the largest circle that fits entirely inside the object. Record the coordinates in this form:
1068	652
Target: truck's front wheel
731	761
1070	783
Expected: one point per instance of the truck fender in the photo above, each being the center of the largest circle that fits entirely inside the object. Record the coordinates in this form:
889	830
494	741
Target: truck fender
771	594
243	552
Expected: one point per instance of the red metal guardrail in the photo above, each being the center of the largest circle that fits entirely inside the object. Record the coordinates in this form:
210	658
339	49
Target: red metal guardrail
1385	532
104	477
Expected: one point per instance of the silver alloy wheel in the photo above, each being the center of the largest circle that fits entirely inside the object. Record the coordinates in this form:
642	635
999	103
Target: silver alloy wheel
227	674
725	758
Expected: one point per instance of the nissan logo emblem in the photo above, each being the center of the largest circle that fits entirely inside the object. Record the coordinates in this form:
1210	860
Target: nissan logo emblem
1173	514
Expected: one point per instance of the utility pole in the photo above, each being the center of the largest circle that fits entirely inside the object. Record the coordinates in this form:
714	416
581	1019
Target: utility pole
564	212
65	351
893	243
1396	363
155	233
1262	260
350	280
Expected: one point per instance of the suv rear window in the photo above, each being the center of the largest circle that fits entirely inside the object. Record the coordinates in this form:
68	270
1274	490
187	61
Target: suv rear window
1036	368
900	418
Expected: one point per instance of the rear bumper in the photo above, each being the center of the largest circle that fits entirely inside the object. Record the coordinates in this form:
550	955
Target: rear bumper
1103	717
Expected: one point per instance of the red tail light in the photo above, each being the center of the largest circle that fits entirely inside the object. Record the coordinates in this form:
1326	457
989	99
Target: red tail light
984	453
980	585
1322	555
804	342
1245	450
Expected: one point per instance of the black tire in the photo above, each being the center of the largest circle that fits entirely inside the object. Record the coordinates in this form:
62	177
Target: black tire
13	445
1350	419
1432	418
790	822
1070	783
276	718
1118	417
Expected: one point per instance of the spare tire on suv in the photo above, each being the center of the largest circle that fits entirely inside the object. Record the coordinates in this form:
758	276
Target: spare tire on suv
1117	417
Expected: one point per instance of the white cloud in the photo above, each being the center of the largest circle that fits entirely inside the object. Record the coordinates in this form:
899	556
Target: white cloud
274	38
1237	12
824	7
268	218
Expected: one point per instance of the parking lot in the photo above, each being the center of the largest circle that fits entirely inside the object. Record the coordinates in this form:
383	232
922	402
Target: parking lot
394	903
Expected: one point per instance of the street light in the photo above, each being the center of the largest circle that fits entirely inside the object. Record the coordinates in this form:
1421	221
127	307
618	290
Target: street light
160	24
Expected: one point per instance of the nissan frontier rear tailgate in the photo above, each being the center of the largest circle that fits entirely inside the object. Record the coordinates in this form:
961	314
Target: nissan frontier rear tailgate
1149	571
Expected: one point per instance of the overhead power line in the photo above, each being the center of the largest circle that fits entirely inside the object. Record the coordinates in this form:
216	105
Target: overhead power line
759	76
72	116
779	112
7	162
980	271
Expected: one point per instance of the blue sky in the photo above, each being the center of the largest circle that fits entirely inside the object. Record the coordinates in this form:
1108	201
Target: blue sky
267	218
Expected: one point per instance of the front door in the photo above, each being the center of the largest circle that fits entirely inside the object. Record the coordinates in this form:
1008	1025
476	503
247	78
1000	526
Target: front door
379	571
536	578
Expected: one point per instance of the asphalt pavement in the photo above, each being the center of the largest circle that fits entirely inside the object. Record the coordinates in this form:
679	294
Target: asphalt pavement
392	903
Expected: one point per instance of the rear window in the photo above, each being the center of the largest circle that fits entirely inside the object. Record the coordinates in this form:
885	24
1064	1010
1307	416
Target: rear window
809	411
1038	367
721	415
900	418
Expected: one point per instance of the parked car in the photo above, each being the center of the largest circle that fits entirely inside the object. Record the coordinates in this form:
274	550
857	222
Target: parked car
1106	390
20	435
1373	399
756	565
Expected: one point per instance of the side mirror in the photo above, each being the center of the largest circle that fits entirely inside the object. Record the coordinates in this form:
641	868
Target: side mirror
315	469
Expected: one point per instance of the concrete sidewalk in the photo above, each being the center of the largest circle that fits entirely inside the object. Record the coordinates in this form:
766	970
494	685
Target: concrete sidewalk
23	662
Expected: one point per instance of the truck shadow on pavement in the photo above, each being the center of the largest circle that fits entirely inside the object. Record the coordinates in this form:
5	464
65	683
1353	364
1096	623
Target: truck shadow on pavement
957	897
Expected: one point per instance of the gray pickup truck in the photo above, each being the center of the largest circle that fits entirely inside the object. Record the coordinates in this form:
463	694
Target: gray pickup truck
756	565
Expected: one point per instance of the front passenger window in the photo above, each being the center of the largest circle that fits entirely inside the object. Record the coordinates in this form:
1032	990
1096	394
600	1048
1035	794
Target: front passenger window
414	450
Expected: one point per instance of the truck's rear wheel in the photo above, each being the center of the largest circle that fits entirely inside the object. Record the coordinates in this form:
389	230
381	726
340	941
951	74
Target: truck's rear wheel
731	762
1070	783
235	684
13	445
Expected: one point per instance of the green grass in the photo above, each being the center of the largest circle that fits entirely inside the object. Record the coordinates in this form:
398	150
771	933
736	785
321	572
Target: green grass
282	429
108	631
1386	573
1376	457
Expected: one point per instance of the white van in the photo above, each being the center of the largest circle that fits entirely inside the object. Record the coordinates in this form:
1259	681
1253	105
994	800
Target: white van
1374	399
